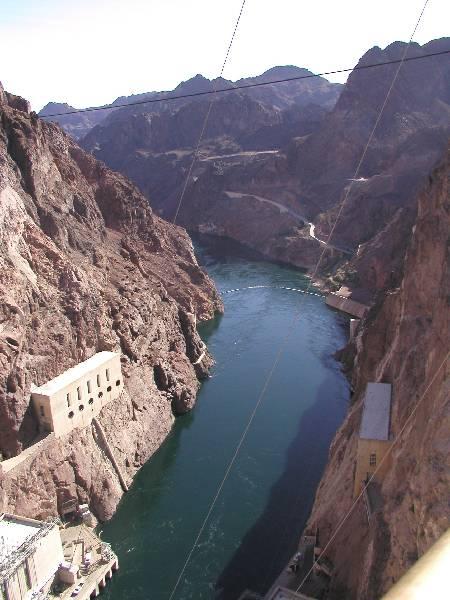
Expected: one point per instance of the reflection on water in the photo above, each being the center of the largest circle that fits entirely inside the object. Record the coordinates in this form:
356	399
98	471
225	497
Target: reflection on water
269	492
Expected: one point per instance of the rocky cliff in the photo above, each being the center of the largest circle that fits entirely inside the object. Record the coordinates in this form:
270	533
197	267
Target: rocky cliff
86	266
405	341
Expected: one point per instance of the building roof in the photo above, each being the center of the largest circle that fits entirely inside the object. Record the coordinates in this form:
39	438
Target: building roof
376	412
15	531
347	305
75	373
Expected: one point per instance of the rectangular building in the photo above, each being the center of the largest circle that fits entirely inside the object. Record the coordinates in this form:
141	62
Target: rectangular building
374	439
30	554
73	398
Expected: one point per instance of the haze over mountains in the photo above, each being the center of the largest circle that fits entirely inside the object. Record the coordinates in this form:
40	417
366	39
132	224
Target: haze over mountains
276	157
315	91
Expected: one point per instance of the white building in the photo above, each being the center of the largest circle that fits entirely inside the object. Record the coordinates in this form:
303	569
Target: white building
73	398
30	554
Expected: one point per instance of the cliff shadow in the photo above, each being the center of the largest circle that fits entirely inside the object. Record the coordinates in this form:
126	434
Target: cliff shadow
269	544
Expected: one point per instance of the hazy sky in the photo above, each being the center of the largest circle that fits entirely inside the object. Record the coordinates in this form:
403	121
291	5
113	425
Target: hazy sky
88	52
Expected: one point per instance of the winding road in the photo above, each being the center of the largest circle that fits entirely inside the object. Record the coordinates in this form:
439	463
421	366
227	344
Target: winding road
285	209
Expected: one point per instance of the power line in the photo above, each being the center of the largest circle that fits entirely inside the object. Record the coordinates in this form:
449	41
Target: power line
413	412
380	464
295	320
205	122
194	158
244	86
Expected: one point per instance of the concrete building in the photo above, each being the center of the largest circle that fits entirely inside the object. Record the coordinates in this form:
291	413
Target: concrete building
75	397
373	442
30	554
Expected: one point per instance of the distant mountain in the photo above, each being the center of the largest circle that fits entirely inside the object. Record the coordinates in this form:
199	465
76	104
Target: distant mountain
276	156
317	91
78	124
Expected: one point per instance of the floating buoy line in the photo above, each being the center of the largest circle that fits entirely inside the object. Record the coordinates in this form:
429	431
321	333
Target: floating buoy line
277	287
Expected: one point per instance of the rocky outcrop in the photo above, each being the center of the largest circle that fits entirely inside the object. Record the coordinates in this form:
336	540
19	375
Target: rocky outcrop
86	266
405	341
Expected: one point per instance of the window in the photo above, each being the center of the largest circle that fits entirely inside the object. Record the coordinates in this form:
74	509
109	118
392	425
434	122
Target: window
100	394
41	410
23	580
98	381
71	414
373	460
68	399
108	389
91	400
107	374
79	393
27	576
89	387
81	407
118	382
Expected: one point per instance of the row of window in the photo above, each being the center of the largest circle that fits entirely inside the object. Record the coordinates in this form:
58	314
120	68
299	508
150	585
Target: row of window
20	583
89	387
91	400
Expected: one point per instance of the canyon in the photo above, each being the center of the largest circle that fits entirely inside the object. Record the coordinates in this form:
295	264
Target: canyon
89	264
295	145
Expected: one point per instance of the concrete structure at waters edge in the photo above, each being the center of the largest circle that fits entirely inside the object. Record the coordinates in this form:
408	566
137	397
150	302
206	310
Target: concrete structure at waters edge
30	554
41	560
75	397
347	305
374	439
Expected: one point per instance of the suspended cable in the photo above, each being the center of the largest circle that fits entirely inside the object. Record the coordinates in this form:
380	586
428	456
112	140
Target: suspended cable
394	79
293	327
205	122
212	505
380	464
244	86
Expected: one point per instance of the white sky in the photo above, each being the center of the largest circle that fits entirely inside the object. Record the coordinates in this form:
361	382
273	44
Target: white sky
88	52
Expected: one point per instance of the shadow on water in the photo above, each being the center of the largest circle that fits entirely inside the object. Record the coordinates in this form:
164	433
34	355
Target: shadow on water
268	545
207	328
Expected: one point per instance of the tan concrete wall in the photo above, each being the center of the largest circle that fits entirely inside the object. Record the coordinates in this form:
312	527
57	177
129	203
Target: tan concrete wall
62	418
363	466
41	565
356	309
48	556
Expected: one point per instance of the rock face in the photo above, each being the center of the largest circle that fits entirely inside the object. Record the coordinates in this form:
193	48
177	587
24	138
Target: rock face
405	341
410	138
86	266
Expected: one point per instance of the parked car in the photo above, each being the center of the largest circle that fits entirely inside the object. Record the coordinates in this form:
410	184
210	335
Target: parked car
77	590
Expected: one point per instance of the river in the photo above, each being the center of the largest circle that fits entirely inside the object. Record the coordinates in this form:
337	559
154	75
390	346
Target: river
266	499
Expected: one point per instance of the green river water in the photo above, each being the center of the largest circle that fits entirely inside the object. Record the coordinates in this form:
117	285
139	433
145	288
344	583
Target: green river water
269	492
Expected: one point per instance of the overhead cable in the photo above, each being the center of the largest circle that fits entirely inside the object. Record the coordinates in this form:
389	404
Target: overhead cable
244	86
